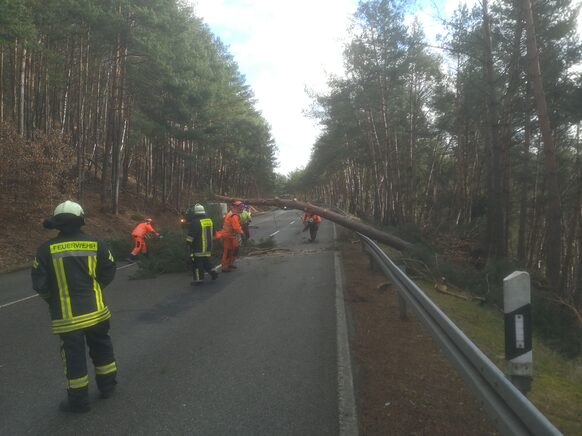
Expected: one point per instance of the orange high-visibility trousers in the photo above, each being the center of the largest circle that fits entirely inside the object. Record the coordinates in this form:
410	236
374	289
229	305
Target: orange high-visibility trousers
230	245
140	245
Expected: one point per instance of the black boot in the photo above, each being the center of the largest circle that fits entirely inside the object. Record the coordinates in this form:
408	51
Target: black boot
75	406
107	392
106	385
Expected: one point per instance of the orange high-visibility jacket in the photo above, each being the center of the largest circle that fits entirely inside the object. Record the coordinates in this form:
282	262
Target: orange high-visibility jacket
309	215
142	229
231	226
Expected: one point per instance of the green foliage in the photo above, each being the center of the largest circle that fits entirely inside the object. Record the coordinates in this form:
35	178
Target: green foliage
410	232
422	252
120	248
178	79
167	255
557	384
16	21
556	327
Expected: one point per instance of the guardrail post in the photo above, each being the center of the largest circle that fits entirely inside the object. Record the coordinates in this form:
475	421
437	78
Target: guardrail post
518	329
401	301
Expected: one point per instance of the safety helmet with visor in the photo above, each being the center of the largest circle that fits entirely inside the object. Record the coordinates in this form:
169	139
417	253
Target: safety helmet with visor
199	209
67	213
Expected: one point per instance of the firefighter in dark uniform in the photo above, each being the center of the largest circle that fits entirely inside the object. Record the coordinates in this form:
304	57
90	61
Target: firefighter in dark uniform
199	240
70	272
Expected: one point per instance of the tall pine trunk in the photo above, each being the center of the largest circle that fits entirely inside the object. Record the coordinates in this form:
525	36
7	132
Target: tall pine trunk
521	239
553	242
1	83
495	209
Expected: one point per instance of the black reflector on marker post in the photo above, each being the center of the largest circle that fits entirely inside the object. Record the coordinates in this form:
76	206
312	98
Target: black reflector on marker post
518	329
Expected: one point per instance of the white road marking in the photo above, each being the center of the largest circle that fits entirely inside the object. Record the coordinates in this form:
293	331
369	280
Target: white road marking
348	417
36	295
273	234
126	266
292	222
18	301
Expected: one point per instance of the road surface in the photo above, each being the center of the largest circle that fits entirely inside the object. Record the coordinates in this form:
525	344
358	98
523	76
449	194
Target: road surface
261	351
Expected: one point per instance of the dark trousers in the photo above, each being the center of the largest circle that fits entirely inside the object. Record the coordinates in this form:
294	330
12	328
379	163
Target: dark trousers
312	227
245	229
199	265
75	360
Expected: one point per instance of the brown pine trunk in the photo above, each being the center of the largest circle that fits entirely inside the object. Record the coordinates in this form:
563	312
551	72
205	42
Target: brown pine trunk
568	266
79	131
14	87
553	242
22	87
108	107
578	283
495	234
507	130
1	83
521	239
119	126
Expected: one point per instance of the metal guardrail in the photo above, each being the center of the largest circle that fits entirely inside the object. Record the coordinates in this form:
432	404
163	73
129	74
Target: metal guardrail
510	410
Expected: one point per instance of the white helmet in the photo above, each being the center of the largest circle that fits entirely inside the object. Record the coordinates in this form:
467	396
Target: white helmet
199	209
66	213
69	207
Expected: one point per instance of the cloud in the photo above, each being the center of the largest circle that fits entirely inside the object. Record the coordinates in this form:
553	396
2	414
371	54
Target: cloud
282	48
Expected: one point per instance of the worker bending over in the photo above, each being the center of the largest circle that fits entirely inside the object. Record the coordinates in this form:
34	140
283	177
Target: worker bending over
139	235
311	222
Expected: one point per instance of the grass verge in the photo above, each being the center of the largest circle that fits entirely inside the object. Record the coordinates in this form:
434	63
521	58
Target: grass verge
557	382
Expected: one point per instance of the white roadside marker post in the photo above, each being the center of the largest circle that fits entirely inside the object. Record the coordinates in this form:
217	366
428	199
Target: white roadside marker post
518	329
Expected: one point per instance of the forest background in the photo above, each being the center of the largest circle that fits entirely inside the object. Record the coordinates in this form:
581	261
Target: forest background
473	145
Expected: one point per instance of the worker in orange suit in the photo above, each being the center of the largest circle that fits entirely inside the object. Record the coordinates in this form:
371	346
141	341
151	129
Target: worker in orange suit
311	222
231	231
139	234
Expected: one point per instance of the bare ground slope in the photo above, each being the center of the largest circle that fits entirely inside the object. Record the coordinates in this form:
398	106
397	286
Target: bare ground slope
405	385
23	233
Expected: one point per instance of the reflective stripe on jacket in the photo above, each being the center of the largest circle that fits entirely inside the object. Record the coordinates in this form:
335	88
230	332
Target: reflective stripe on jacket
199	236
244	216
70	272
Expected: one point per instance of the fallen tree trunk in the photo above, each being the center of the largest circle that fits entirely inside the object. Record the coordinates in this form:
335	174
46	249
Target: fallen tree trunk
347	222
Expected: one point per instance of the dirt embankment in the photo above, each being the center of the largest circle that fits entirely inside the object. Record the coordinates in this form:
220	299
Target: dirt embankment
23	234
405	384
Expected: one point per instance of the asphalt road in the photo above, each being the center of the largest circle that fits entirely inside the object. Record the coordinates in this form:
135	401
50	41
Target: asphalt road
261	351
